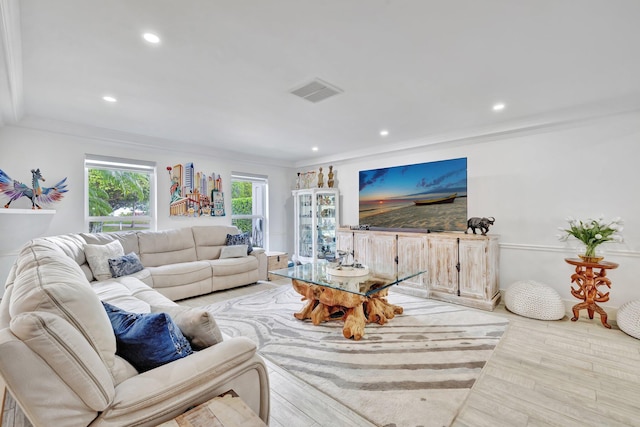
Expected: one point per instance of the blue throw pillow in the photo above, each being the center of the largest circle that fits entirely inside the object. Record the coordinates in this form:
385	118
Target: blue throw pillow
125	265
240	239
147	340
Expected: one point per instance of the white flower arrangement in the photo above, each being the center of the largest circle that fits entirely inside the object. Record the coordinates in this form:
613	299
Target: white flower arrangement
593	232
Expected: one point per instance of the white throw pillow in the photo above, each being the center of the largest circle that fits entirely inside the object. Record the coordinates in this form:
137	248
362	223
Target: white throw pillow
98	258
197	324
234	251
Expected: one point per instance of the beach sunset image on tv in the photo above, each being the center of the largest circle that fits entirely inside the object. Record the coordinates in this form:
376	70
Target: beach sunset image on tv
425	196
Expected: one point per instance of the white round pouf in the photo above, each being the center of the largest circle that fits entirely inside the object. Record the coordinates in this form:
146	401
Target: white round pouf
628	318
536	300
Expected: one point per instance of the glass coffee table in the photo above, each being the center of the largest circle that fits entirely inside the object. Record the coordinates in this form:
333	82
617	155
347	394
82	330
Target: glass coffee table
356	297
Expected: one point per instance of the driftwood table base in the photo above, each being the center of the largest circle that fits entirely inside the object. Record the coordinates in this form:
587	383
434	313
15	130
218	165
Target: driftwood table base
325	304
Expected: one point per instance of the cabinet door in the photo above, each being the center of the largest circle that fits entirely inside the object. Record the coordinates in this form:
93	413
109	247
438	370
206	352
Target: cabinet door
306	230
443	257
344	240
478	268
382	255
327	222
360	248
473	268
412	258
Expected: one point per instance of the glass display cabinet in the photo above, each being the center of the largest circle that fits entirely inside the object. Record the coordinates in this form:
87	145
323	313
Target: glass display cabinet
316	214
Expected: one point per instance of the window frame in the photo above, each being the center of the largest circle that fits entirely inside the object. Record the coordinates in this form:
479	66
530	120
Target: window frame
122	164
256	181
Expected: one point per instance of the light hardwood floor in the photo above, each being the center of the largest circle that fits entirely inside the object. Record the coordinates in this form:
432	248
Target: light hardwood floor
557	373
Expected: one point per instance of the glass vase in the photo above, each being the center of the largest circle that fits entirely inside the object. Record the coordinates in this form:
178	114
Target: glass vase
592	254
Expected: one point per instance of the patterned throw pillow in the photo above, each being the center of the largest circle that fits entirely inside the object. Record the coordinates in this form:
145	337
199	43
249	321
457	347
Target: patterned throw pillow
147	340
240	239
125	265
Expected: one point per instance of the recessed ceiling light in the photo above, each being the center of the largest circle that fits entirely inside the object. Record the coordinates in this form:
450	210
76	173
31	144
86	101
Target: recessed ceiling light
498	107
384	132
109	98
314	148
151	38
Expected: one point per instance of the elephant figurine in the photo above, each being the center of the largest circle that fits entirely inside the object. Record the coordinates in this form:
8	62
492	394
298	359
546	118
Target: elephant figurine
480	223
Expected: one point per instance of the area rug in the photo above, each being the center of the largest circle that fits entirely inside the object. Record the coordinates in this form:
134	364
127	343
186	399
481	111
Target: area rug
415	370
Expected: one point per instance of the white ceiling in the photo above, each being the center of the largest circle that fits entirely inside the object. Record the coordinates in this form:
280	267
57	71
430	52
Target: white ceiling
426	70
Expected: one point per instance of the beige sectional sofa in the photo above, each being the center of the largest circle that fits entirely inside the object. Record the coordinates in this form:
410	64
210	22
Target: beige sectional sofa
57	345
179	263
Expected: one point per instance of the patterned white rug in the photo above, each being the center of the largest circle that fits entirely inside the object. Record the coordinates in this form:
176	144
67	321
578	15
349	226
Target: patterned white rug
414	371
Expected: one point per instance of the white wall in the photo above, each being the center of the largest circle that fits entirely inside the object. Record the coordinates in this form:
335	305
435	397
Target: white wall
530	182
60	156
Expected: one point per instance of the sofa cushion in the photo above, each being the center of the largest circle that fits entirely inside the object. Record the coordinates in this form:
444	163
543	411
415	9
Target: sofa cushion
197	324
72	245
147	340
128	239
229	266
116	293
166	276
234	251
166	247
210	239
125	265
68	353
240	239
143	292
98	258
48	281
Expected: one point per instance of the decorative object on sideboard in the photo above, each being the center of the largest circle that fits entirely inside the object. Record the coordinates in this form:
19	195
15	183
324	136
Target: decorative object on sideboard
330	181
360	227
592	233
320	178
483	224
38	195
306	180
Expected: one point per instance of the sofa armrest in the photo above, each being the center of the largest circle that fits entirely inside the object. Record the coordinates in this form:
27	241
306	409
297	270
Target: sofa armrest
262	262
163	393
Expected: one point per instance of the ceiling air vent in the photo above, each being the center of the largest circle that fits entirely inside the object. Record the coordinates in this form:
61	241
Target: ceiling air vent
316	91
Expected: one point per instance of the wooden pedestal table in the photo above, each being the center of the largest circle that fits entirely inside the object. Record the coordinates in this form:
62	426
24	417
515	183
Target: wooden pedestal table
324	303
588	282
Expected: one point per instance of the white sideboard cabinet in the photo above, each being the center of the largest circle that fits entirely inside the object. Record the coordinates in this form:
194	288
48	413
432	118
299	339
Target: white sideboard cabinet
460	268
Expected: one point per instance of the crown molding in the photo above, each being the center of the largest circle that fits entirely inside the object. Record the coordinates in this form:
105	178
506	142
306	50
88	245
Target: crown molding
12	106
131	140
556	120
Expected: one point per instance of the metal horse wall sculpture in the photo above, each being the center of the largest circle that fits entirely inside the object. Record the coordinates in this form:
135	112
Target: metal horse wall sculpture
38	195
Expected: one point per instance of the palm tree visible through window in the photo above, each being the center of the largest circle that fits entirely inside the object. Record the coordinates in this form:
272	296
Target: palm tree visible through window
120	194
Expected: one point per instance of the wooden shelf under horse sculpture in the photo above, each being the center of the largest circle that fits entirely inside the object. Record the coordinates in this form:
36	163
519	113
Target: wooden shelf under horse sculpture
38	195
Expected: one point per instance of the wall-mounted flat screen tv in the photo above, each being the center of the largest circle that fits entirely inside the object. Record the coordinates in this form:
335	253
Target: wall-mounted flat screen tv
422	197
